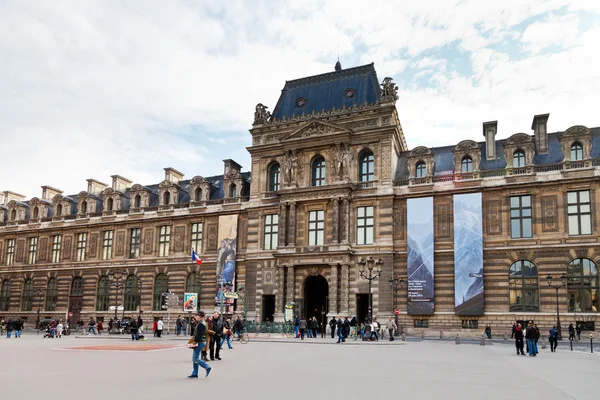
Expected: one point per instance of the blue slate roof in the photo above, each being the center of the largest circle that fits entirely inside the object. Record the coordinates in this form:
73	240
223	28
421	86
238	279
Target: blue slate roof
326	91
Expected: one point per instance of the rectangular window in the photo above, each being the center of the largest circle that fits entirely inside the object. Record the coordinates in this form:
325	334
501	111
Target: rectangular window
81	244
134	243
197	237
164	238
107	243
579	212
56	244
10	251
32	250
316	228
271	231
364	225
470	324
421	323
520	217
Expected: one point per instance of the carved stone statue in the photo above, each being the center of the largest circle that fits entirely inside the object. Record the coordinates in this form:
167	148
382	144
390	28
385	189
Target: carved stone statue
389	90
341	162
261	115
289	166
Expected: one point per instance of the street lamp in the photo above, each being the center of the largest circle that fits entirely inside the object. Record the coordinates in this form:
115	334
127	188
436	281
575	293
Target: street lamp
39	293
116	281
369	265
396	283
556	286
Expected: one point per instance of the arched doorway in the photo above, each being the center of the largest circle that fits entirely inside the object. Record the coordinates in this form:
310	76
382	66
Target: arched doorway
316	290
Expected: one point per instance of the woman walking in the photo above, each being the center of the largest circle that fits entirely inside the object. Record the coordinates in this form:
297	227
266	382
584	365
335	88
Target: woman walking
227	331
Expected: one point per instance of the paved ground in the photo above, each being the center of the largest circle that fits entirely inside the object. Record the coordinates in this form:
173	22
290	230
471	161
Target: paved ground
35	367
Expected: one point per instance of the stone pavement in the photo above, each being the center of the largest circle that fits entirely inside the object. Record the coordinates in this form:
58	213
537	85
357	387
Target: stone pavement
38	368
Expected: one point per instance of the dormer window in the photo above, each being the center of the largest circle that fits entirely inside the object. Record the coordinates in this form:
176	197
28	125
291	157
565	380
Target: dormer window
301	102
318	171
518	159
576	152
110	204
84	207
233	191
198	194
36	213
137	201
167	198
466	165
59	210
13	215
421	170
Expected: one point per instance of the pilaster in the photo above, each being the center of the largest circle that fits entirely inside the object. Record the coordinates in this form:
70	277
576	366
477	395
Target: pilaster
333	291
345	220
344	310
282	224
292	225
335	235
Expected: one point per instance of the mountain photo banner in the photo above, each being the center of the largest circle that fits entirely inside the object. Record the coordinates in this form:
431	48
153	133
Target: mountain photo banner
468	255
420	256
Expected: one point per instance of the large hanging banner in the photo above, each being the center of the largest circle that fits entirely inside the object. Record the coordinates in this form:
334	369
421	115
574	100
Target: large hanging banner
468	255
420	256
226	261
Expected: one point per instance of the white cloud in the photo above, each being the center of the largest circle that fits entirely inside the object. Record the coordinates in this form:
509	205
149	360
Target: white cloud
555	30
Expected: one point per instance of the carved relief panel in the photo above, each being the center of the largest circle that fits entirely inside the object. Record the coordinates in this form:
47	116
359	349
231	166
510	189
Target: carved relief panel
42	249
212	229
444	214
148	240
549	214
20	253
179	234
93	247
120	244
493	217
67	246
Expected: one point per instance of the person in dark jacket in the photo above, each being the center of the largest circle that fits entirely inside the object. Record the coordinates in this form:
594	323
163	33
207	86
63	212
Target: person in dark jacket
577	330
519	340
333	326
553	339
346	328
312	327
197	343
514	327
571	332
530	335
217	327
9	328
488	331
133	328
18	325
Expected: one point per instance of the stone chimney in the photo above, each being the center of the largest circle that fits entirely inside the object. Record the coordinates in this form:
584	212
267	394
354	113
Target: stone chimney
48	192
95	186
540	131
231	166
489	132
120	183
8	196
172	175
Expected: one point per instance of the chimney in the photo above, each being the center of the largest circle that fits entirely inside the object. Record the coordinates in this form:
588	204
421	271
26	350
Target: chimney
231	165
172	175
489	132
8	196
48	192
540	131
120	183
95	186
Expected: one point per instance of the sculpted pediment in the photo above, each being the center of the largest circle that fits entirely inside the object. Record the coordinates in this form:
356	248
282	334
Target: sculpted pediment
316	128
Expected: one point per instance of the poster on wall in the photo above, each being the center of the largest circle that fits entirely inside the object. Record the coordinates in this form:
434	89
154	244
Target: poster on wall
468	255
420	256
190	302
226	255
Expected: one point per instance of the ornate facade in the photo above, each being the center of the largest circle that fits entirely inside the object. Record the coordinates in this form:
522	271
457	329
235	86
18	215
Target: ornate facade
331	176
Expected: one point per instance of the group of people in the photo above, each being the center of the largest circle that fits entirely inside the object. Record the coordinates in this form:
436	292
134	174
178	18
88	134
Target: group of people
531	334
344	328
54	329
9	326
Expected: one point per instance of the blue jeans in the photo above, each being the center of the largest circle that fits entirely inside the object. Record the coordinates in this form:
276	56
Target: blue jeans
135	336
178	330
8	333
228	341
533	350
17	333
296	328
196	360
340	335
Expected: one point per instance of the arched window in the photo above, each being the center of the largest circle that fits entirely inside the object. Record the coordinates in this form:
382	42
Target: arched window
274	177
103	294
161	285
576	152
5	295
77	286
13	215
131	293
318	171
36	212
51	295
366	167
233	191
167	198
26	300
192	283
421	170
198	194
582	285
518	159
466	166
59	210
84	207
137	203
109	204
523	286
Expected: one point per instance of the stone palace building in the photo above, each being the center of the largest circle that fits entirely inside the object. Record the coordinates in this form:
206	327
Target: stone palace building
332	184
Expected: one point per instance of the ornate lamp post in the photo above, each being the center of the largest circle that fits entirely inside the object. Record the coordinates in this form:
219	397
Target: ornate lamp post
116	281
396	283
39	293
374	268
562	281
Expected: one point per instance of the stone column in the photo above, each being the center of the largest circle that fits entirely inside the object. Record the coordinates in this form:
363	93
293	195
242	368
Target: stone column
345	220
344	291
282	224
279	300
335	236
292	225
291	284
333	291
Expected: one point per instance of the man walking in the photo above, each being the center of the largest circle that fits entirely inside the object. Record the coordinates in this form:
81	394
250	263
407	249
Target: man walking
391	327
553	339
198	343
530	335
178	325
332	326
340	330
296	326
133	328
217	327
159	327
302	327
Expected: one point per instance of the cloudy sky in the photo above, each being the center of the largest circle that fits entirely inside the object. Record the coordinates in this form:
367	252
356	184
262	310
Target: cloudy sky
95	88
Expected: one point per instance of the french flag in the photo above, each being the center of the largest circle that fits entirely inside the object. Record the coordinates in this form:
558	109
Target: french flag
195	258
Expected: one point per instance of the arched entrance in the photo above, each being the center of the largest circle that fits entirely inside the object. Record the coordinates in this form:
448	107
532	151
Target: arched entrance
316	290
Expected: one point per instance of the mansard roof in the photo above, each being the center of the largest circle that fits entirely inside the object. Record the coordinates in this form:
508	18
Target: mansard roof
328	91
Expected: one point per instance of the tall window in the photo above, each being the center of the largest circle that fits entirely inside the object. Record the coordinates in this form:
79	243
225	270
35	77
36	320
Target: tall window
109	204
134	243
197	237
466	166
167	198
81	244
316	228
77	286
56	243
198	194
36	213
137	202
84	207
580	213
161	285
274	177
523	286
192	283
520	217
366	167
51	295
518	159
10	251
576	152
233	193
26	300
318	171
32	255
59	210
107	243
271	231
582	285
13	215
131	293
421	170
103	294
164	238
364	225
5	295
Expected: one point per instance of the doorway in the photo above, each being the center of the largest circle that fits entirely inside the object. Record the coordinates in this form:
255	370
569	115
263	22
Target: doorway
362	307
268	307
316	290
